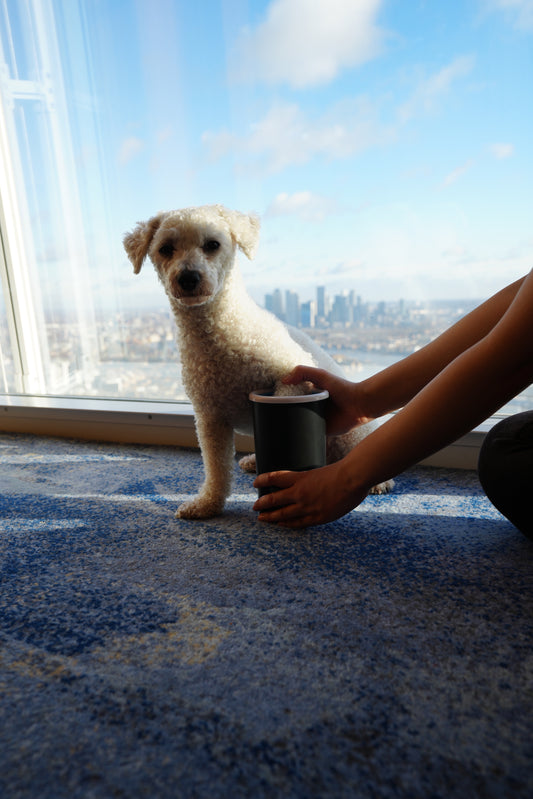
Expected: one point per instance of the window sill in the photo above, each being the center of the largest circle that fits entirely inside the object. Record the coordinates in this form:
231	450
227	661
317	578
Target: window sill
153	422
122	420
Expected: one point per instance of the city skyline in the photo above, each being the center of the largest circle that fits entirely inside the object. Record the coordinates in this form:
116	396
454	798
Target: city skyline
349	308
138	356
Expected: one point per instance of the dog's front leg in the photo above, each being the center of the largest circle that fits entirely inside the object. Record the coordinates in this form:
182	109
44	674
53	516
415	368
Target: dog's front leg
216	444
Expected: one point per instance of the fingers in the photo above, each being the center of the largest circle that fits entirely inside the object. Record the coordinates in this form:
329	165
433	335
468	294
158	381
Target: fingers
277	480
274	480
273	507
274	511
319	377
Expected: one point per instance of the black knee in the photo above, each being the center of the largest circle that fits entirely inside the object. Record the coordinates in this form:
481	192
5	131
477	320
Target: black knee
505	469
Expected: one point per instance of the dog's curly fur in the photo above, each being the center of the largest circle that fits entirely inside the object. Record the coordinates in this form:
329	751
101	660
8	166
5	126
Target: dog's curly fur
229	345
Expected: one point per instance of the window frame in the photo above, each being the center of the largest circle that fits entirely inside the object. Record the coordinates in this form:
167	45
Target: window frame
30	410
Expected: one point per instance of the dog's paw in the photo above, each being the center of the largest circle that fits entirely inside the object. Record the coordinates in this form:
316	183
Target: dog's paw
383	488
247	463
199	508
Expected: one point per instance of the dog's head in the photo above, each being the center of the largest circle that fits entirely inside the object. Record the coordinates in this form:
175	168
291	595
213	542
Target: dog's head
193	249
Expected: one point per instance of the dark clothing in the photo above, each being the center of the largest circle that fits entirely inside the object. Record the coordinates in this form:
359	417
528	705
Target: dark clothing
505	469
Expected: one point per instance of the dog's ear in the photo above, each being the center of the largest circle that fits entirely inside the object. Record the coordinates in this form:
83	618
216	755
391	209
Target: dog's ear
244	229
138	241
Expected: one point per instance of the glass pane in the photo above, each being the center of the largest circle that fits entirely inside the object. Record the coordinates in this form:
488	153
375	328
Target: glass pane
385	146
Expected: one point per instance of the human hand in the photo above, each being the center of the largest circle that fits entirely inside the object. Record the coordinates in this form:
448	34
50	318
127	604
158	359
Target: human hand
305	499
345	408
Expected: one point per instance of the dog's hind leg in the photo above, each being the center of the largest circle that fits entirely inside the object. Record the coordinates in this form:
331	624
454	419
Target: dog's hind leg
216	444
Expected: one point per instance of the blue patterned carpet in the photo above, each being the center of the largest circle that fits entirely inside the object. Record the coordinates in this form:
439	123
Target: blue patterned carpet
386	655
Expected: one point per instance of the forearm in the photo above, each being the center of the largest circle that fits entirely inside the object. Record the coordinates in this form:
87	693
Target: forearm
468	391
395	386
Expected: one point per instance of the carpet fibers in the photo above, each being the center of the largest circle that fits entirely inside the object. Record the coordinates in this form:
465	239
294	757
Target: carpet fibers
389	654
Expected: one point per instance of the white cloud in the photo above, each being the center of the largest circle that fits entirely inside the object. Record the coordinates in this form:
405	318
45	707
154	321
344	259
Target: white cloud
129	149
304	204
308	42
286	136
457	173
520	12
498	150
432	89
341	269
501	150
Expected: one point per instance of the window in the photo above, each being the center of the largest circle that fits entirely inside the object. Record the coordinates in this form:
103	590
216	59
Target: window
385	145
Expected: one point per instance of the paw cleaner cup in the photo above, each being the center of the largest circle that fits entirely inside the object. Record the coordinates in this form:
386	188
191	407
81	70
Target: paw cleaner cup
289	431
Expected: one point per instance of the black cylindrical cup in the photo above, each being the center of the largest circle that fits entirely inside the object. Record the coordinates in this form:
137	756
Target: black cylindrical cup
289	431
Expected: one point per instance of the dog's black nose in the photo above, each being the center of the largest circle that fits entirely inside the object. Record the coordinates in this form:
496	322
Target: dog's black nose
189	279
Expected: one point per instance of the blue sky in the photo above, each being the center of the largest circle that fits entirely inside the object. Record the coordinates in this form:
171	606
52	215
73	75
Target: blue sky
386	144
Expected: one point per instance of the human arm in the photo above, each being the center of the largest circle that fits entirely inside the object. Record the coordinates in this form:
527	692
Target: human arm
352	404
495	366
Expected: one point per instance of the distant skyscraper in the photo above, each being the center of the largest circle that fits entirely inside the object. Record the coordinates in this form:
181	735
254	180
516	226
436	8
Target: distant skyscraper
277	304
340	312
308	314
357	310
292	308
321	310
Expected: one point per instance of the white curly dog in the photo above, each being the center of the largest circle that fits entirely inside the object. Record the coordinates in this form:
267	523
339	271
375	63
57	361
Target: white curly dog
229	345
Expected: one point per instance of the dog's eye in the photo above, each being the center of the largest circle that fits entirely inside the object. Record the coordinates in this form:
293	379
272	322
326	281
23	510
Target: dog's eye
166	250
211	245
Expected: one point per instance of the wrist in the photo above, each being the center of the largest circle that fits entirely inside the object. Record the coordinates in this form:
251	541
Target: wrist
367	399
353	476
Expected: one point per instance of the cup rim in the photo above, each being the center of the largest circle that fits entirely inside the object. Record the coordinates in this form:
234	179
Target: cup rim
265	395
